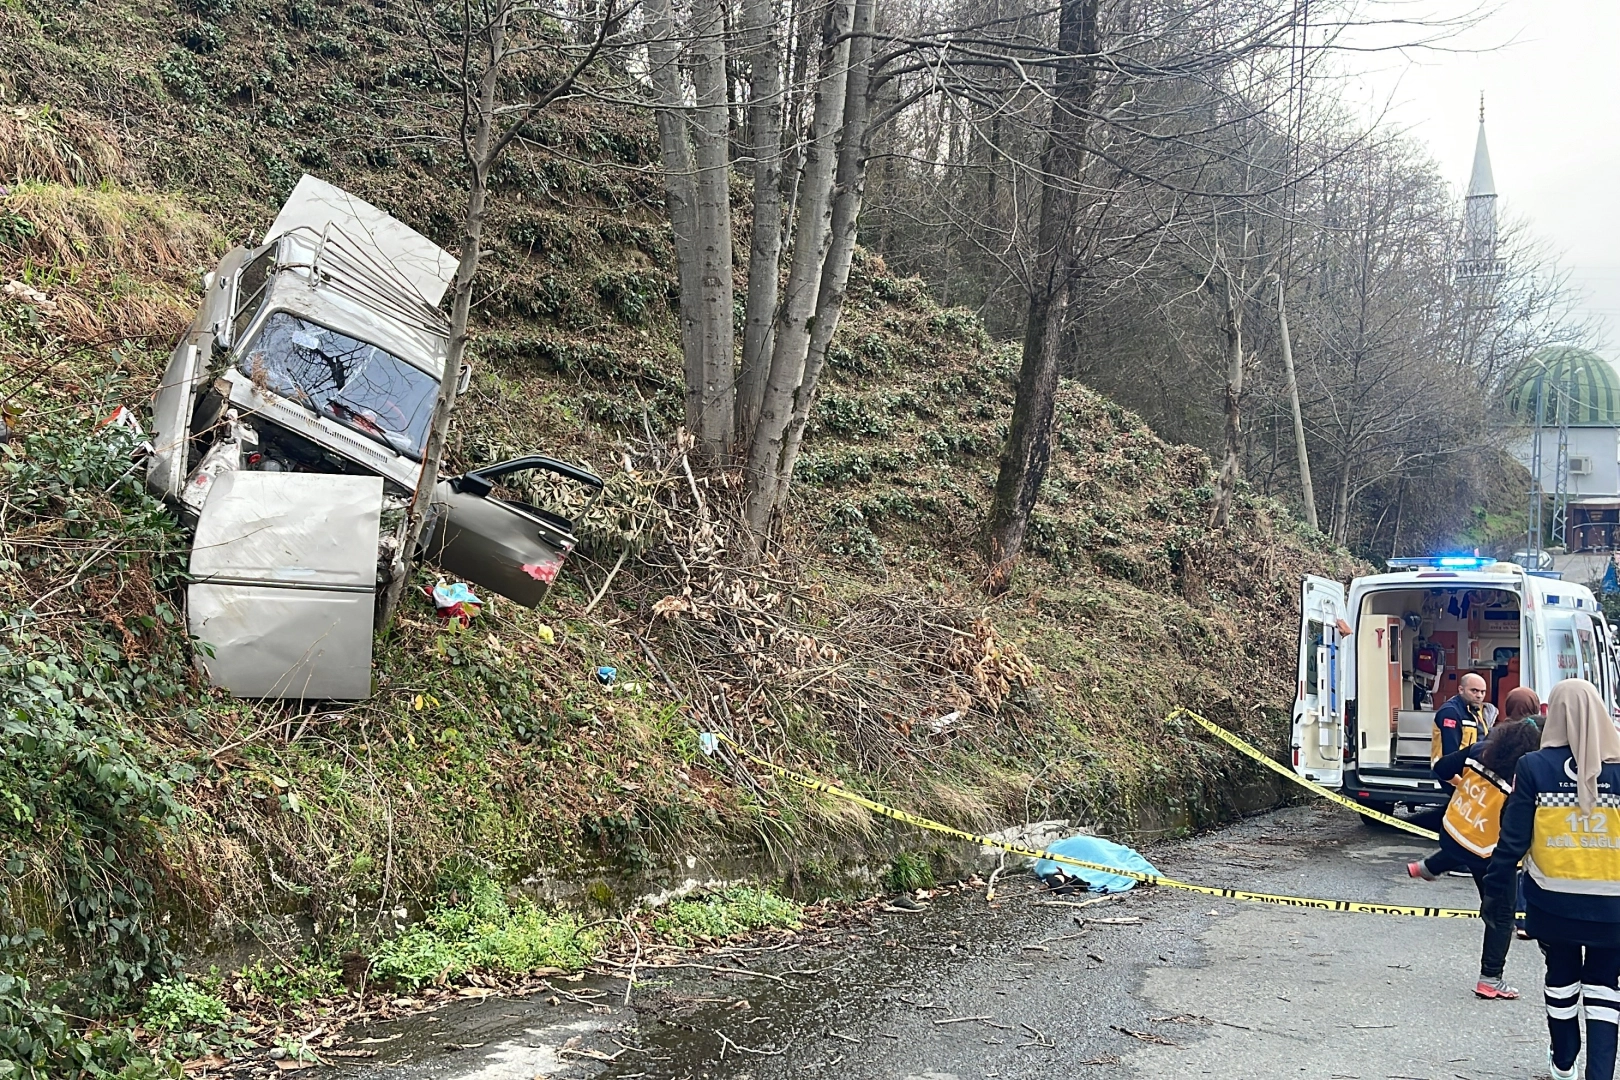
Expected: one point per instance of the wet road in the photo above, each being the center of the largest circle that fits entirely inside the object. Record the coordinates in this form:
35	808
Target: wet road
1020	990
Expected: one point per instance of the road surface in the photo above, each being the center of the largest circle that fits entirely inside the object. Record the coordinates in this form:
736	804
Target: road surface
965	990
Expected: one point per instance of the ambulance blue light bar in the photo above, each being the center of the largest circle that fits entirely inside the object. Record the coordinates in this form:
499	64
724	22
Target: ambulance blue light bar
1441	562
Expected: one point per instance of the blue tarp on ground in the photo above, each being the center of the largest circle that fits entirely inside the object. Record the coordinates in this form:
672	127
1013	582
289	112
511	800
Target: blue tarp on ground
1094	850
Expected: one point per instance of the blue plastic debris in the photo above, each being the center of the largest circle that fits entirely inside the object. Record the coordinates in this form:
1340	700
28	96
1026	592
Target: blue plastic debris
1091	849
449	595
606	675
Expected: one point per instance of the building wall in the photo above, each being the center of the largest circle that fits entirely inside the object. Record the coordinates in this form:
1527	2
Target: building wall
1601	444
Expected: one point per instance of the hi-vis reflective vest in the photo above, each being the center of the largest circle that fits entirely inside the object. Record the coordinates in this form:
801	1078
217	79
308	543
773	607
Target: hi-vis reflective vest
1474	815
1571	851
1470	730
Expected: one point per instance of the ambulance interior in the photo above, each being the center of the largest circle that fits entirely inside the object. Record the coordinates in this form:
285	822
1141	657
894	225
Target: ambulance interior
1412	647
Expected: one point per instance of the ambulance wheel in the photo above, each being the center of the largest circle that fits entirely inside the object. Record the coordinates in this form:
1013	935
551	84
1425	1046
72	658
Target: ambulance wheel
1382	808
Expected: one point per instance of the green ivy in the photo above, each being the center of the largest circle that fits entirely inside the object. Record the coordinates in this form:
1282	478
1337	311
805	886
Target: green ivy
84	801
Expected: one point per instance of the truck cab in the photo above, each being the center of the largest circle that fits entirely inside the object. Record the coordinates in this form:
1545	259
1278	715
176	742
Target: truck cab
289	430
1377	658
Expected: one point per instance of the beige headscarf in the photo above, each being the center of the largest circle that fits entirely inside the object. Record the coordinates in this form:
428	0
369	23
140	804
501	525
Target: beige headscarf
1577	718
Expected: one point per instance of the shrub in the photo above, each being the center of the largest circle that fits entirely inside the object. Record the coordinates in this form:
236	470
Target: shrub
734	911
83	800
485	932
177	1004
37	1042
908	873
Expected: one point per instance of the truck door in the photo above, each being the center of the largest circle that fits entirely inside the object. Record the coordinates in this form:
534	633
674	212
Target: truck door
1318	740
488	532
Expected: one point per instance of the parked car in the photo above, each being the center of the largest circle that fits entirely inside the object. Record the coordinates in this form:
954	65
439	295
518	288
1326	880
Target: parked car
1543	560
290	426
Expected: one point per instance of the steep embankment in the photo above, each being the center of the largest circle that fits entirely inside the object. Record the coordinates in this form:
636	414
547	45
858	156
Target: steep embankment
143	142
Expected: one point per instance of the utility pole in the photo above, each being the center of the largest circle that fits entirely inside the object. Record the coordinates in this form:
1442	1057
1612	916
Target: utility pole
1307	492
1533	534
1560	515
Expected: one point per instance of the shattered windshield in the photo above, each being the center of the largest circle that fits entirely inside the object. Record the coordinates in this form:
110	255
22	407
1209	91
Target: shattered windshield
334	375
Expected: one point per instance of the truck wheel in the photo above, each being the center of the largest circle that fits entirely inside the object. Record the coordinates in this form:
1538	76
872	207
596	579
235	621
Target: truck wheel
1382	808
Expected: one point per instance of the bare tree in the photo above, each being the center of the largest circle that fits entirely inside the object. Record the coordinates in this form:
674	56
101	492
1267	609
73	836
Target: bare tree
786	327
693	141
476	45
765	102
1028	449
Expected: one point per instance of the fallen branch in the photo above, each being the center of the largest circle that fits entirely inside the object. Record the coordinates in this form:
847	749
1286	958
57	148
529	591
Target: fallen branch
630	979
623	555
1145	1036
731	971
725	1042
593	1055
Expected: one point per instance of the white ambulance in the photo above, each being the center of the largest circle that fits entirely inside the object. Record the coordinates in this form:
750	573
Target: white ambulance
1376	660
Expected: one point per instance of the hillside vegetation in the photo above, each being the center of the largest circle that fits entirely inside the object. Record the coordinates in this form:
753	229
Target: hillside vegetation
141	810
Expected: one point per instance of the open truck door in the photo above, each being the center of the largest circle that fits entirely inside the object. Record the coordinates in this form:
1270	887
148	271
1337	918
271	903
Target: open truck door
487	531
1318	739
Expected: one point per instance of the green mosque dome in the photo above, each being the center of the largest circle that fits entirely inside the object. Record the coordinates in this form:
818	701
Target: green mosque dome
1594	387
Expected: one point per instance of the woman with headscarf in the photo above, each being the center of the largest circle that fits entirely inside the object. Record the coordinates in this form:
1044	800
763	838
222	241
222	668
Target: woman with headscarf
1521	704
1480	776
1563	820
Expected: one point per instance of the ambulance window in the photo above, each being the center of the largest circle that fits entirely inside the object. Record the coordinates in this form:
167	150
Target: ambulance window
1565	657
1586	637
1313	641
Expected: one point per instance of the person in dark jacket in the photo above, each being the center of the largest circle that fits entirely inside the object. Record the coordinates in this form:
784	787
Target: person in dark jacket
1469	833
1521	704
1460	722
1563	820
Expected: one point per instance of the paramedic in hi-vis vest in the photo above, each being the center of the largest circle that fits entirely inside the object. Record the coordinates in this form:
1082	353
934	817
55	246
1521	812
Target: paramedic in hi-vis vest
1563	820
1460	722
1473	820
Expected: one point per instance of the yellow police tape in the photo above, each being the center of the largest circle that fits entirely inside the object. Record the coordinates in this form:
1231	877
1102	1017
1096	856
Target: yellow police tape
1282	770
1147	879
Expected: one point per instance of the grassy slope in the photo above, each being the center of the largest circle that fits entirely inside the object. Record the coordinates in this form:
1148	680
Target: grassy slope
150	138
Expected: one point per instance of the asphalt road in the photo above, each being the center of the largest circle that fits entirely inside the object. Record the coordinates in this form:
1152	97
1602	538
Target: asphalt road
1019	990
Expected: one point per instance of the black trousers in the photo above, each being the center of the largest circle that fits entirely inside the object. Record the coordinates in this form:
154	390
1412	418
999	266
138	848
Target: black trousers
1583	975
1498	931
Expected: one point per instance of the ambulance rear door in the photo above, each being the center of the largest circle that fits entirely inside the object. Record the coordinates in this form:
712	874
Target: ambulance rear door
1318	740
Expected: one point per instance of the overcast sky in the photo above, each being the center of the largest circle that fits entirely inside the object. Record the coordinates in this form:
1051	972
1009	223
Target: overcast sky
1550	72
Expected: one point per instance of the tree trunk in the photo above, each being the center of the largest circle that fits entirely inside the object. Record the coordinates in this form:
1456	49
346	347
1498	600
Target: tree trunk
1028	449
711	131
1231	468
1341	503
765	251
680	192
810	245
1307	491
472	231
849	189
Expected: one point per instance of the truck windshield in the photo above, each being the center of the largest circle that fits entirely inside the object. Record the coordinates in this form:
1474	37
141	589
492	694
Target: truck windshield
334	375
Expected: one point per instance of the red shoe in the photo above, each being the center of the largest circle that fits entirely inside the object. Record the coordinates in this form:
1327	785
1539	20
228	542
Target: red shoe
1495	988
1418	870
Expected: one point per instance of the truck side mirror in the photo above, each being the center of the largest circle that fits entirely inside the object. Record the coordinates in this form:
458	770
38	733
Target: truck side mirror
464	379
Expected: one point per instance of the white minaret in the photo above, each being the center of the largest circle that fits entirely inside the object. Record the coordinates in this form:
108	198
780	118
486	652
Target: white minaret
1479	260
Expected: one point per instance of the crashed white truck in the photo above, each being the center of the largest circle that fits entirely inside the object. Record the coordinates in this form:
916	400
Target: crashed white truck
290	427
